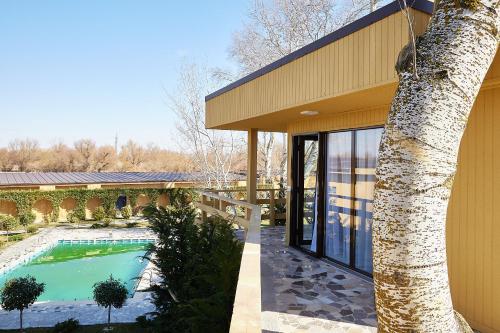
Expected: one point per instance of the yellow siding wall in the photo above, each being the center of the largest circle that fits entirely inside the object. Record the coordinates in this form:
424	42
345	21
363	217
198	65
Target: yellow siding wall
473	218
352	119
473	229
356	62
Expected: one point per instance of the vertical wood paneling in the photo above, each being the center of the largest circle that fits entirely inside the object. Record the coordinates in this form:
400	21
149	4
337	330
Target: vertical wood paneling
358	61
473	236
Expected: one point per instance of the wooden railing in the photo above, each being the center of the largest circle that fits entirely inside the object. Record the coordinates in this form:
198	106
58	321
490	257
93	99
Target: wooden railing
247	302
266	197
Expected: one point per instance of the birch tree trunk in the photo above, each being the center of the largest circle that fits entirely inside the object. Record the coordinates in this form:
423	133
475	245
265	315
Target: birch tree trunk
417	163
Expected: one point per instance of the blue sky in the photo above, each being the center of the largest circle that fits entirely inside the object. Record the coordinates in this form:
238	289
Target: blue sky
92	68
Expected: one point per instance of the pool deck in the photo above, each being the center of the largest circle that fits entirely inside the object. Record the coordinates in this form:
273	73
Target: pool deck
47	314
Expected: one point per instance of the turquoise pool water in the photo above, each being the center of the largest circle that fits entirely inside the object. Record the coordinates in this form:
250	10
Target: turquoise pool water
70	270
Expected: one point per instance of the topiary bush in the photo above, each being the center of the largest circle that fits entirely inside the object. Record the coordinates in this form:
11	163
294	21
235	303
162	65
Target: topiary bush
31	229
126	212
99	214
110	293
27	218
19	293
66	326
73	218
8	223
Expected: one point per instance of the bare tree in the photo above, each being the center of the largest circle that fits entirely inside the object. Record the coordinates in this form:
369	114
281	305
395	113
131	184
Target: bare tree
104	158
4	159
266	156
213	152
276	28
85	152
58	158
417	163
133	156
23	154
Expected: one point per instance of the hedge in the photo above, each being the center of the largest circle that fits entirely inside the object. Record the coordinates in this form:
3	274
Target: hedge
25	199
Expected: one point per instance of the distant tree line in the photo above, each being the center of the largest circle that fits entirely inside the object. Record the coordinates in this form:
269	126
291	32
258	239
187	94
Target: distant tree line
86	156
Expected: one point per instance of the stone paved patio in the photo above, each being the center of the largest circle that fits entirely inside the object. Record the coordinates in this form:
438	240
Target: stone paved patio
304	294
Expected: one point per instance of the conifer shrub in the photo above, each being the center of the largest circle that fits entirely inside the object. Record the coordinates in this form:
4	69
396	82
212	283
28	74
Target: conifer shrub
198	266
99	214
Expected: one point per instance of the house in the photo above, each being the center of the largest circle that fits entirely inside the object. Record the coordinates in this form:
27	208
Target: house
332	98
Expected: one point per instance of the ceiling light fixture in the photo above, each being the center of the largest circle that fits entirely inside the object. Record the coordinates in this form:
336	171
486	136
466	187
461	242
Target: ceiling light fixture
309	113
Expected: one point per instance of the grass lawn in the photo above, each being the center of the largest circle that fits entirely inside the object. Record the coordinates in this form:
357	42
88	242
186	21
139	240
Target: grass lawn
13	239
117	328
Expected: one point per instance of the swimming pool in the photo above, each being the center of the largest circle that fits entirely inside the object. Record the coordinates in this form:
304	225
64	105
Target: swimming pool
70	269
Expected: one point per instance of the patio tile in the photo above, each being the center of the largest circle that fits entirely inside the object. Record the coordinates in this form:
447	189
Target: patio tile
301	293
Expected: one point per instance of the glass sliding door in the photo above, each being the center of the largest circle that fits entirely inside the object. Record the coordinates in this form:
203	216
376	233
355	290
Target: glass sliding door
338	218
306	149
350	179
367	144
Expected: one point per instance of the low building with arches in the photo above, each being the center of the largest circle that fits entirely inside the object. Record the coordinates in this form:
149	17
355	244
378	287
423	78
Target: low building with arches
54	196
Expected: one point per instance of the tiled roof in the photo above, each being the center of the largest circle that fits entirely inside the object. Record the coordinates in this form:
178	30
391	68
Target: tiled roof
66	178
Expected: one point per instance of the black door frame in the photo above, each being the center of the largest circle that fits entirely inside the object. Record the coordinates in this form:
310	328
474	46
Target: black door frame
296	227
297	194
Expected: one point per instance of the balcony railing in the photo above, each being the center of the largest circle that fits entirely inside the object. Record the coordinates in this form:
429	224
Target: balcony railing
266	197
247	302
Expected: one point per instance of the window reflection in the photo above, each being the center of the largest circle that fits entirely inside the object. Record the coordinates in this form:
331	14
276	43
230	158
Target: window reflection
349	195
338	196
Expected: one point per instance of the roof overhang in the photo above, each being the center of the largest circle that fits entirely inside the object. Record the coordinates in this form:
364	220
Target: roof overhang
345	70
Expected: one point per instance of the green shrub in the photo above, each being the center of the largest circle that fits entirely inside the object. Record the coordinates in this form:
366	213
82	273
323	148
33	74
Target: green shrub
143	322
31	229
27	218
131	224
107	221
73	218
19	293
199	267
110	293
99	214
8	222
16	238
66	326
126	212
97	226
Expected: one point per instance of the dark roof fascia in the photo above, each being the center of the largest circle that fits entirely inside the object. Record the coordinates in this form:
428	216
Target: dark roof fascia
379	14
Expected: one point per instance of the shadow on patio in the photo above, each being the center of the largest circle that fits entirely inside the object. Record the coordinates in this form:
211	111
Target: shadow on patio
304	294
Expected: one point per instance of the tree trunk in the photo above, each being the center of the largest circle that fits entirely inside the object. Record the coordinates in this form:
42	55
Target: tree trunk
109	317
21	320
417	163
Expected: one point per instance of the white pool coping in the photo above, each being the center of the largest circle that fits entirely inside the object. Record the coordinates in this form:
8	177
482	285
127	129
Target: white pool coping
47	314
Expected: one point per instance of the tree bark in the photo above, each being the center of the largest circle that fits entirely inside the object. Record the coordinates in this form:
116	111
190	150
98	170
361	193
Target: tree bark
21	320
417	162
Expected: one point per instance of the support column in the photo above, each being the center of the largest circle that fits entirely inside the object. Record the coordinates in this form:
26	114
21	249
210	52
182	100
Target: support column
252	166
